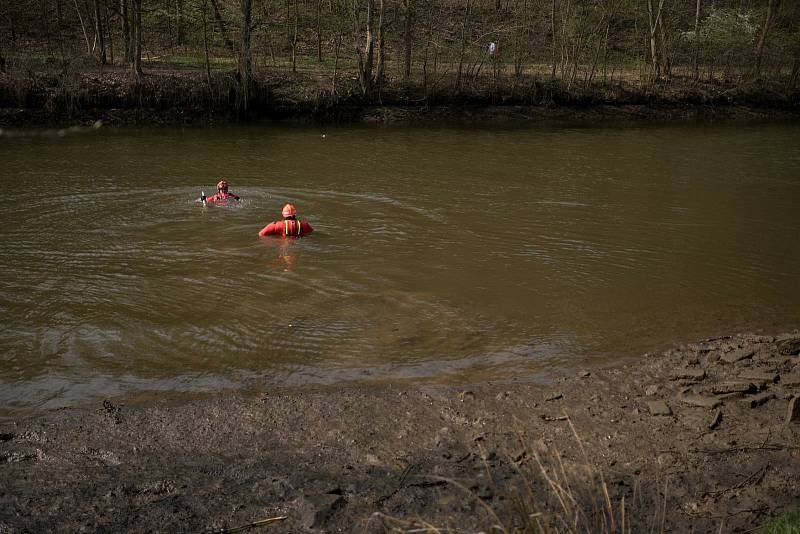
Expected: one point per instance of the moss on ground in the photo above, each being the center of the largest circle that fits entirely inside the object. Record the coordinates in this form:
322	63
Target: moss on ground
788	523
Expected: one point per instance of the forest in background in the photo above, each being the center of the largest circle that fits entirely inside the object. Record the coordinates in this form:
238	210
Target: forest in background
256	56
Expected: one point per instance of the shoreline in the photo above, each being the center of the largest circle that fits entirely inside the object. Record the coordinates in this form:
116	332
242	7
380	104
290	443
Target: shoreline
170	97
700	436
14	120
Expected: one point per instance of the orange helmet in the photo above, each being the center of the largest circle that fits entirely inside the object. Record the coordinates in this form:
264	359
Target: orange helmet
288	211
223	185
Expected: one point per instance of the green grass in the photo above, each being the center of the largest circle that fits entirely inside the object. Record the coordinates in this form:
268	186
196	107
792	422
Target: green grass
788	523
197	61
304	64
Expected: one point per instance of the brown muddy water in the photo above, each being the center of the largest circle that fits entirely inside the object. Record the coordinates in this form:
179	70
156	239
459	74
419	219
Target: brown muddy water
441	254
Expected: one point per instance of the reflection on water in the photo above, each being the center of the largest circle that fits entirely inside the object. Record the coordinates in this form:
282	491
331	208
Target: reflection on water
439	254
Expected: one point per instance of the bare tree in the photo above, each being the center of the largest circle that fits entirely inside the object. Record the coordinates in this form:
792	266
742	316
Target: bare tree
179	31
464	27
83	28
98	26
553	30
293	42
205	42
366	55
109	31
696	48
245	56
319	31
126	32
60	33
222	27
408	22
654	21
381	48
136	38
772	6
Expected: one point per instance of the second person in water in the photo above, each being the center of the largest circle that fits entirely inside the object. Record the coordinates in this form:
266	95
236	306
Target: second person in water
290	226
222	196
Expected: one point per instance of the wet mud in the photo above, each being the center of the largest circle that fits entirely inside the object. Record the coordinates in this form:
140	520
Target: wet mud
702	437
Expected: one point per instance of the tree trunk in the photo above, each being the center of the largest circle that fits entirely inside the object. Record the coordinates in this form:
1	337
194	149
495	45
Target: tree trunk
60	33
464	26
365	56
381	49
792	82
270	46
245	59
47	30
605	44
408	22
697	41
563	44
83	28
596	59
179	31
319	31
288	21
425	50
126	32
654	19
553	29
109	31
666	63
205	45
136	38
98	27
336	63
294	35
222	27
652	28
772	6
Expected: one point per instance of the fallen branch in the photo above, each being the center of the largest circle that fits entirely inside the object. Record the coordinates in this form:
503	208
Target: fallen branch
747	448
551	418
248	526
759	474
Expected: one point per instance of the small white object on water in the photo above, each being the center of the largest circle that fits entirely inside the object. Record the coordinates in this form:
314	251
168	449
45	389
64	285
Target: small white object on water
324	136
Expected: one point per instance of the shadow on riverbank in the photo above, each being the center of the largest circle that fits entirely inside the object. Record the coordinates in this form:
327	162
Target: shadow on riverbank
701	438
176	97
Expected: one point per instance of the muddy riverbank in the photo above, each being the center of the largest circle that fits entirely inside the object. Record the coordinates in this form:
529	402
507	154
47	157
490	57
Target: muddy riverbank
702	437
175	97
27	118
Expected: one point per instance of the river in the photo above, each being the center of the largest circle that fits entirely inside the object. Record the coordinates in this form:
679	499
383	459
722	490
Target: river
441	254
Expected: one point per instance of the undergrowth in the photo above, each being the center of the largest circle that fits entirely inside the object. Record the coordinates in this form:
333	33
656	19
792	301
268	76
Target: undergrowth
788	523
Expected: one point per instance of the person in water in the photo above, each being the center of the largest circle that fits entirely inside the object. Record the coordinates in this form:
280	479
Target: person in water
290	226
222	194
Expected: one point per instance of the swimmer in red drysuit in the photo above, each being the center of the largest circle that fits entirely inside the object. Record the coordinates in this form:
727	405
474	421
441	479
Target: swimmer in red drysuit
290	226
222	195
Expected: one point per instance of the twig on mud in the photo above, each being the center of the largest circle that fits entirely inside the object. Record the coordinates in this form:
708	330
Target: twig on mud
745	448
248	526
760	510
759	473
491	513
551	418
402	481
755	529
409	526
